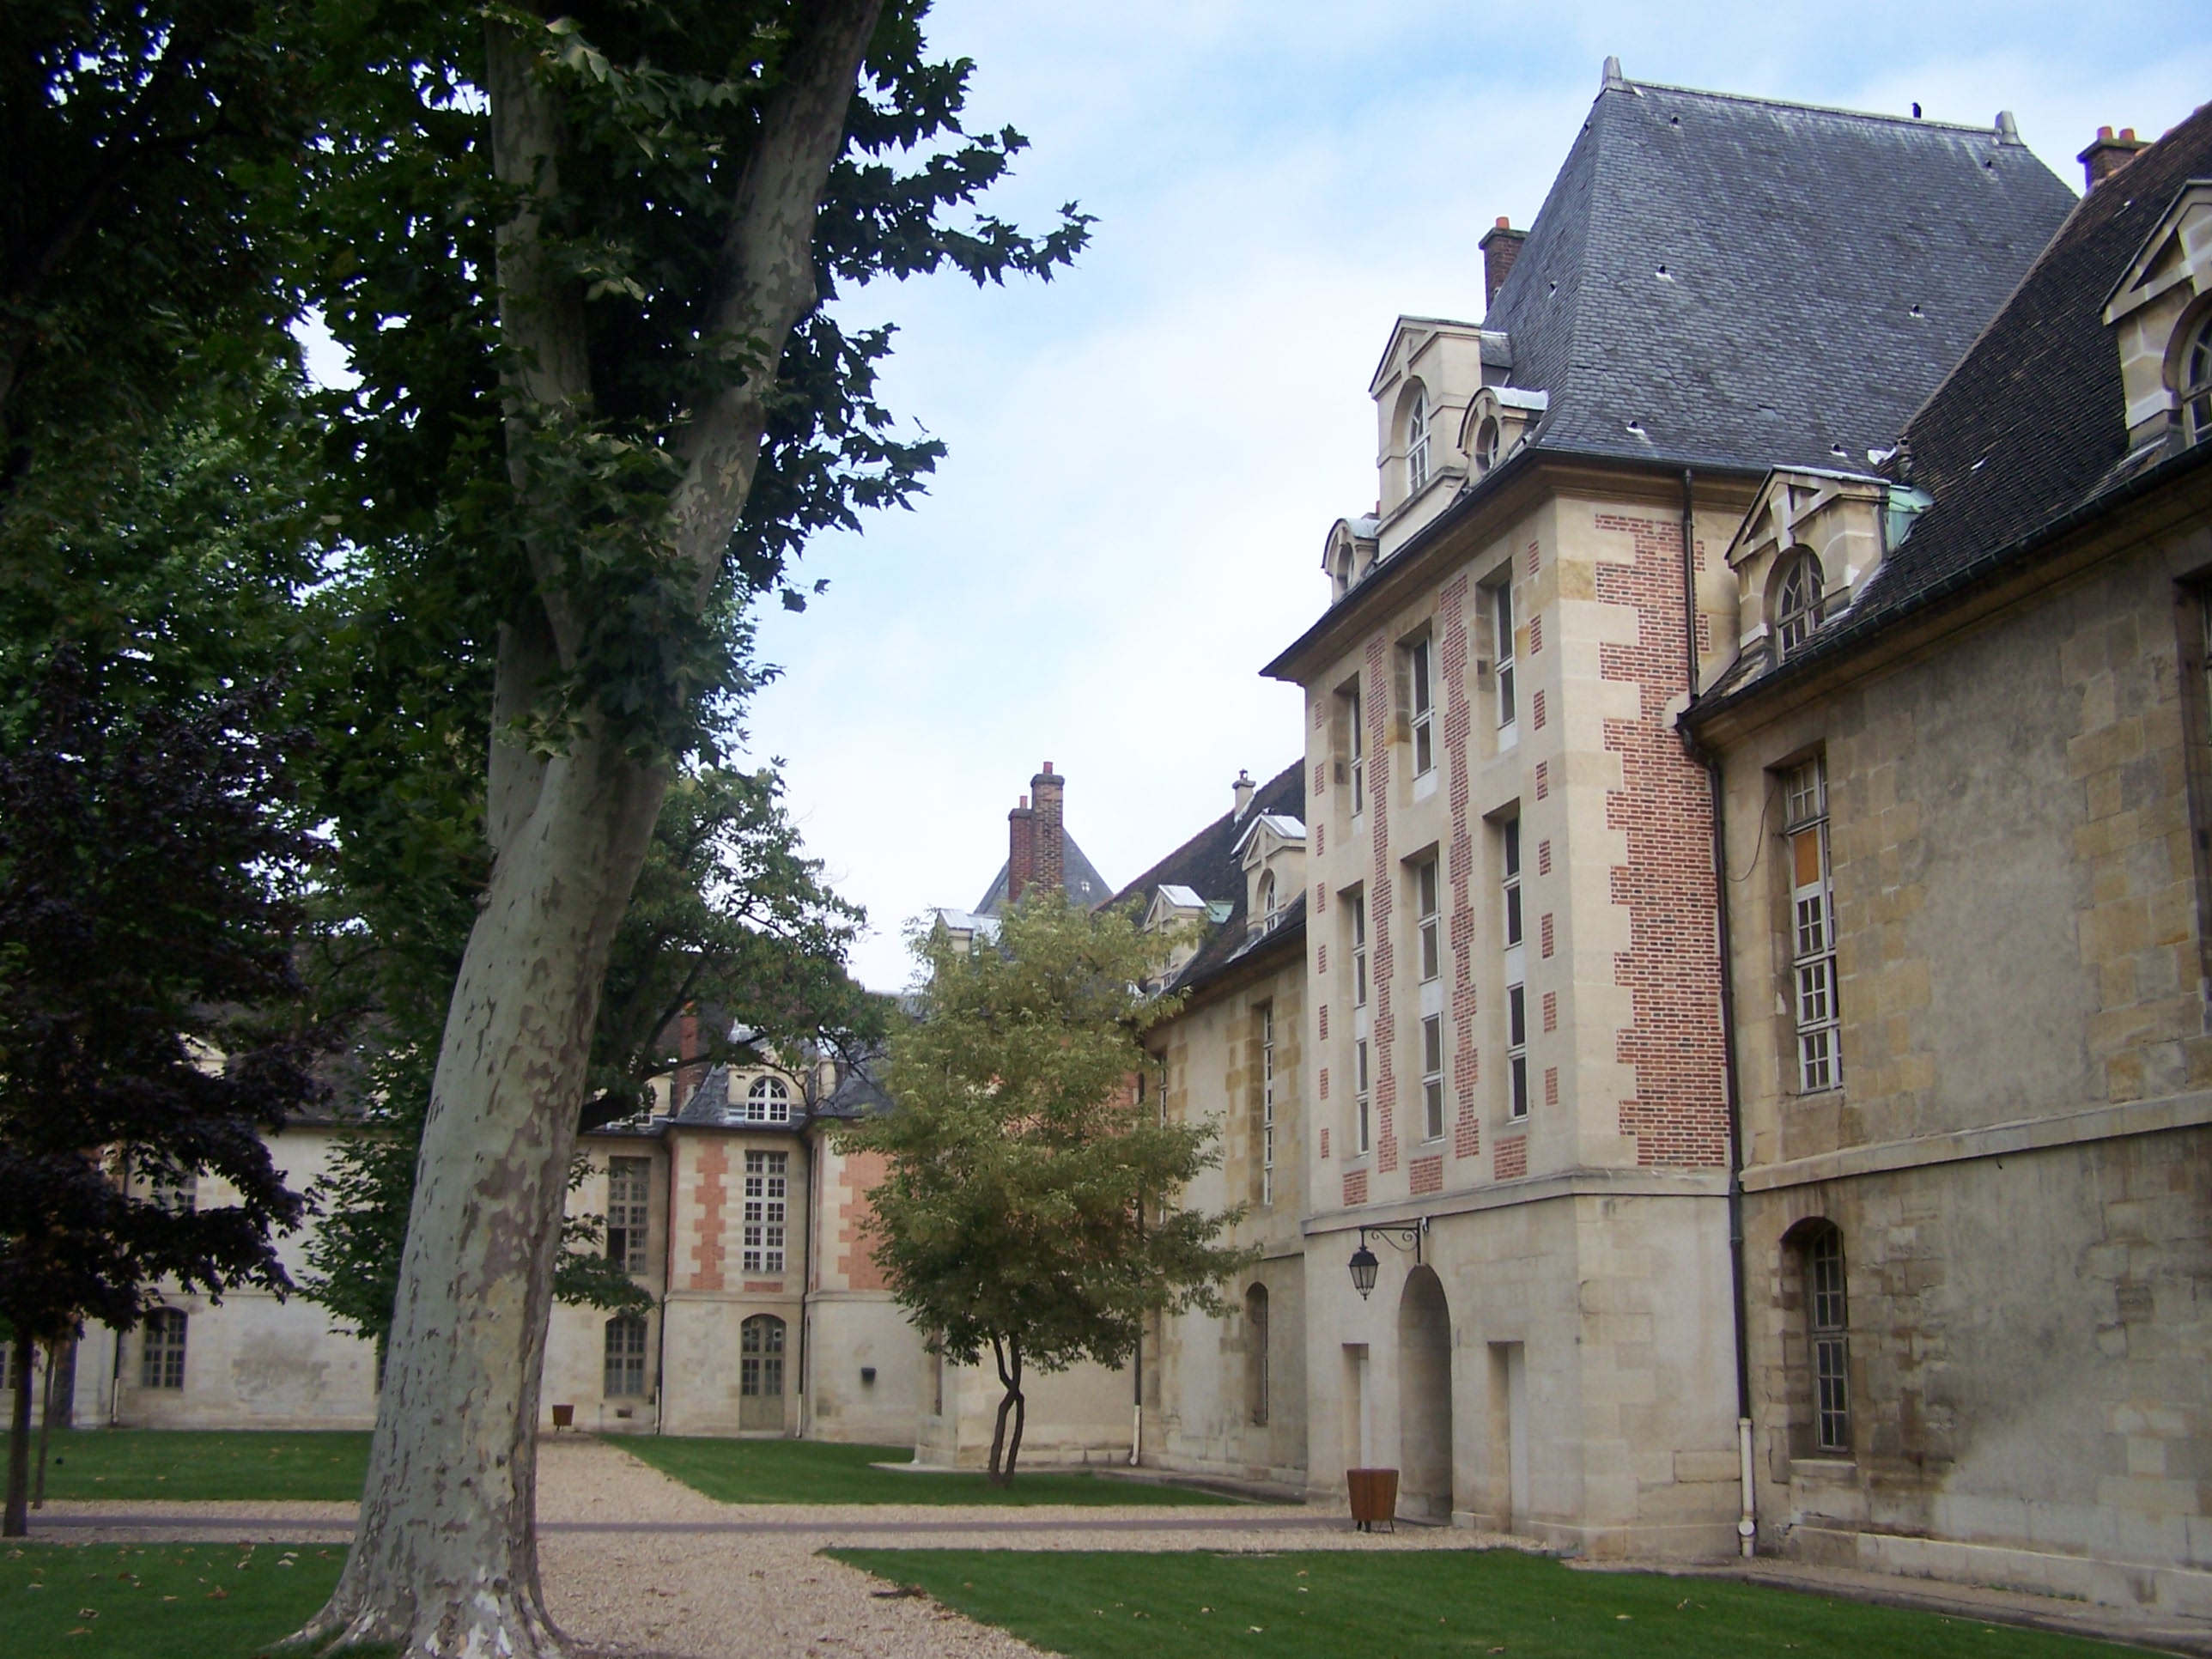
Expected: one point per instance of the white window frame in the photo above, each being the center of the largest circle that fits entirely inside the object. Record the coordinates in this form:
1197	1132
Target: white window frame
162	1345
1354	711
1502	645
2195	390
1428	919
623	1354
1356	905
1421	697
1814	992
1827	1318
767	1210
1417	443
1361	1123
630	1213
1517	989
1432	1076
767	1100
1796	604
1268	1102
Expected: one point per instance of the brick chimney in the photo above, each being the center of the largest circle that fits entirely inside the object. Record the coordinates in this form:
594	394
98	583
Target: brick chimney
2107	154
1021	850
1051	835
1501	246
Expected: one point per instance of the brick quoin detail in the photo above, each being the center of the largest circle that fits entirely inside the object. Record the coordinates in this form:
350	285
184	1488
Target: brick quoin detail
1551	1085
1426	1174
1324	1136
769	1286
1544	931
1543	858
1535	633
1452	647
1672	1044
1512	1157
1321	962
709	1195
1355	1187
1324	1095
1543	780
1551	1011
1321	839
1323	1022
858	1263
1320	713
1321	770
1384	1026
1536	706
1321	896
1533	557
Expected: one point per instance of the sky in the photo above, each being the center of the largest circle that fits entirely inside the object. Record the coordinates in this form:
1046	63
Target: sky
1146	453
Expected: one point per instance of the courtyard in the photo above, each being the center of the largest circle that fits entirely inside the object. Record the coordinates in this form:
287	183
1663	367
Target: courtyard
814	1561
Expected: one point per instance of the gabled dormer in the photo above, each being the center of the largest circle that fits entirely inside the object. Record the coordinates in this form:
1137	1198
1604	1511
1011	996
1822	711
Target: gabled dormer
1272	852
1498	420
1430	370
1805	552
2161	312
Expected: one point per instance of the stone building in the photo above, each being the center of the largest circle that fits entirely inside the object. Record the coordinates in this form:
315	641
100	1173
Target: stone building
1964	748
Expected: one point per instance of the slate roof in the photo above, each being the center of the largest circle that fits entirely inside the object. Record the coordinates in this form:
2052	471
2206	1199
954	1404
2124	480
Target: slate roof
2030	426
1080	877
1207	864
1823	269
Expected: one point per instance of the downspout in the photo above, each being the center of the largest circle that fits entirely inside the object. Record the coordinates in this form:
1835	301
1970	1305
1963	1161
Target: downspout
1747	1524
813	1145
667	1284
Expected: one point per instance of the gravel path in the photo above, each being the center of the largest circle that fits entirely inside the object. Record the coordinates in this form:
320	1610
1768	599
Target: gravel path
633	1560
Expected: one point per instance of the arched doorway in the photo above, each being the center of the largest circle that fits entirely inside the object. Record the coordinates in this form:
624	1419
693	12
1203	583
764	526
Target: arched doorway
1424	1390
760	1372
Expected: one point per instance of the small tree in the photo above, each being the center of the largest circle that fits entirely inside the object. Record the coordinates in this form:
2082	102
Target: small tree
1030	1204
150	1021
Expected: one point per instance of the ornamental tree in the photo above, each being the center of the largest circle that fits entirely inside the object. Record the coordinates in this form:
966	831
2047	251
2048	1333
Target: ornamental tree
1031	1205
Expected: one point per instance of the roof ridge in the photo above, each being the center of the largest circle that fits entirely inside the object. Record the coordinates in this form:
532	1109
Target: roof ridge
1150	878
1987	130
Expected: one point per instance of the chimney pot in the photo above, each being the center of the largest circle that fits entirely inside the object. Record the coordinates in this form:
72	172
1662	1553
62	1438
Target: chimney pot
2107	154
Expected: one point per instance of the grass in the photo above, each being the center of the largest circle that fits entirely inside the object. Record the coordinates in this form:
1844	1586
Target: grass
816	1472
158	1600
190	1464
1431	1604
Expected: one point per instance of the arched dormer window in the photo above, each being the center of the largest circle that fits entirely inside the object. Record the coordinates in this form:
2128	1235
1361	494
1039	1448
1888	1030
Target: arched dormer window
1417	443
1267	904
1797	605
768	1101
1487	438
2195	386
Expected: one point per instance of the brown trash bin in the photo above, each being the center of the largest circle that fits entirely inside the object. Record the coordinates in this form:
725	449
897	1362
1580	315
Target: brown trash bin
1374	1499
564	1417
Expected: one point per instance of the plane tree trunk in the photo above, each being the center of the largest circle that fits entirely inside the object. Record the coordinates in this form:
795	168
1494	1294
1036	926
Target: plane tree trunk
445	1562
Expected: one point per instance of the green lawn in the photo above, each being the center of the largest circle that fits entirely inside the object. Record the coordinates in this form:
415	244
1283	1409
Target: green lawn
158	1601
245	1463
815	1472
1430	1604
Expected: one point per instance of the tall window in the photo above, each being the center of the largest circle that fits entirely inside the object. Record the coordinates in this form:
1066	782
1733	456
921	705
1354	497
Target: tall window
1356	747
1422	695
1797	603
1267	1103
760	1358
1256	1356
1501	624
1417	443
1485	444
1428	923
1357	906
2197	386
624	1376
1269	913
1360	1126
766	1177
1812	927
629	1191
1827	1317
769	1101
1432	1076
174	1190
162	1350
1516	990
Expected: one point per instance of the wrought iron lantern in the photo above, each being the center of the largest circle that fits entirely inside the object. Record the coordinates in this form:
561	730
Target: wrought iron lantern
1364	1263
1364	1266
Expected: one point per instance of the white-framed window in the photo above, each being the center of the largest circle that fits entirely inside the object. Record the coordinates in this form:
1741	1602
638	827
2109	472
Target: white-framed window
1270	907
1501	627
1797	605
1357	907
1516	990
1417	443
1828	1323
1421	697
1511	887
624	1377
767	1177
2196	388
1432	1076
630	1200
1812	927
176	1191
1361	1123
1485	444
1267	1103
1517	1050
1428	921
768	1101
162	1349
1356	746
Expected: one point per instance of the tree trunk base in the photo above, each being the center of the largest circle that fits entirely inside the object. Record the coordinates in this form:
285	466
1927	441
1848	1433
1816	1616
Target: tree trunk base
490	1622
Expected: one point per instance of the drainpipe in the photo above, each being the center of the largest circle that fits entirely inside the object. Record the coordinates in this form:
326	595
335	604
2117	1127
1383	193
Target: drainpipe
1747	1524
667	1284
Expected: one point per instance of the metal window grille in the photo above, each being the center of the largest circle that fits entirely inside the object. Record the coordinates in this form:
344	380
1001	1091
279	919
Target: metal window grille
1824	1272
624	1375
1423	701
1432	1076
1268	1102
1501	611
161	1356
1812	928
629	1188
766	1183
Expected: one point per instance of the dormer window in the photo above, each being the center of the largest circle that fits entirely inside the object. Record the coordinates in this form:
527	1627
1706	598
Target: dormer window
1267	904
1487	440
768	1101
1797	605
1417	443
2197	385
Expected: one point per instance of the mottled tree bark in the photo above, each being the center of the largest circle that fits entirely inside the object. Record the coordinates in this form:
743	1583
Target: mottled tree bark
444	1561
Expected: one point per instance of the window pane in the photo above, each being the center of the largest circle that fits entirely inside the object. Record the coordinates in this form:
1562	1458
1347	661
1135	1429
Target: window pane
1516	1016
